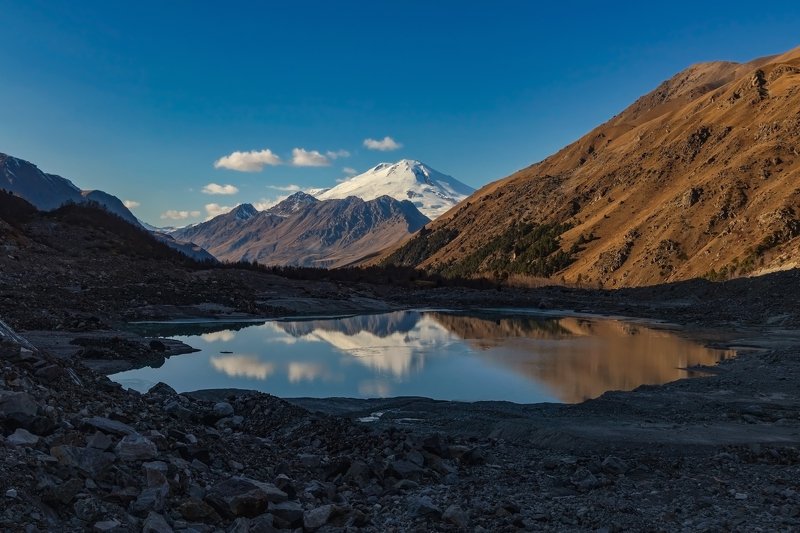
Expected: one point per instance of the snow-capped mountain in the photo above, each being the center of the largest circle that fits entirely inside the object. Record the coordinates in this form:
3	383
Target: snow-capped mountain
432	192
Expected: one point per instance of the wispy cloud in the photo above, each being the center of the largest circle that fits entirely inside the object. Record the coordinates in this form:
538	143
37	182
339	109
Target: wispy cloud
387	144
253	161
337	154
213	210
131	204
350	171
213	188
174	214
308	158
287	188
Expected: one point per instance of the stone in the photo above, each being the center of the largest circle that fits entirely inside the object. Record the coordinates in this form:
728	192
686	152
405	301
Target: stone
424	507
405	469
50	373
88	460
66	491
100	441
309	460
136	447
222	410
22	437
614	465
107	526
11	493
287	515
107	425
316	518
456	516
162	389
584	479
239	496
88	509
151	499
198	511
155	473
155	523
174	408
17	406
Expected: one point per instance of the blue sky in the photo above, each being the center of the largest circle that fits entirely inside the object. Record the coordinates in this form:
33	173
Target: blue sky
142	98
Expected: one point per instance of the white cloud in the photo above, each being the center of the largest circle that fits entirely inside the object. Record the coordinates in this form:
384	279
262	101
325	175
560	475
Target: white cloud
252	161
213	210
219	336
350	171
213	188
308	158
174	214
243	366
337	154
287	188
131	204
387	144
266	203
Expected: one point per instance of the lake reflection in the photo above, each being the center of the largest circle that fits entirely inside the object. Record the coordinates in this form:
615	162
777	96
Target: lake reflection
443	355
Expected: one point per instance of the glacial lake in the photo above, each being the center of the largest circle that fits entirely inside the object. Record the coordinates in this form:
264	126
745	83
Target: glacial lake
470	356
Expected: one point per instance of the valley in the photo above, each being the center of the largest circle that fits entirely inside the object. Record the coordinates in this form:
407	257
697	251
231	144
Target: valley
606	340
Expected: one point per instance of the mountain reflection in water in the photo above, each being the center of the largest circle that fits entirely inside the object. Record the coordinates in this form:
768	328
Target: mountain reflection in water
476	356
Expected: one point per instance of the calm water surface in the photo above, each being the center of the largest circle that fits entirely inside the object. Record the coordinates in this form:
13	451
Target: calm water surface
443	355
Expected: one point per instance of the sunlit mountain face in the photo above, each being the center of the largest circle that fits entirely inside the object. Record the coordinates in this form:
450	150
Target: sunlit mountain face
443	355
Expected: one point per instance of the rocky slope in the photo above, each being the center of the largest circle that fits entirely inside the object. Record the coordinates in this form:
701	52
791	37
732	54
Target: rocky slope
303	231
432	192
697	178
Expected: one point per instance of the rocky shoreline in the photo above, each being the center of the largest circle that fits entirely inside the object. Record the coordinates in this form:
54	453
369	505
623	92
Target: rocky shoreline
82	454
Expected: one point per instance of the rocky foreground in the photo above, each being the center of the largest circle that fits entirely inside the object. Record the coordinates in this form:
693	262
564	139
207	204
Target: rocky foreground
80	453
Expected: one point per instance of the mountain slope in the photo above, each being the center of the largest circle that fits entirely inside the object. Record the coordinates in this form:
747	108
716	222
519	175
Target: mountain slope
432	192
49	191
697	178
304	231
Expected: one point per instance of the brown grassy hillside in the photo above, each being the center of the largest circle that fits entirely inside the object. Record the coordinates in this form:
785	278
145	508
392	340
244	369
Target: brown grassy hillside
700	177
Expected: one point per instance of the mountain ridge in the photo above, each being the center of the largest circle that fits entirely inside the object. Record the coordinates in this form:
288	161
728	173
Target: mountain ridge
304	231
695	178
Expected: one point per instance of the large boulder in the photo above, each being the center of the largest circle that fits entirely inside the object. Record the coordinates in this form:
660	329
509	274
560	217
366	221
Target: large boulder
240	496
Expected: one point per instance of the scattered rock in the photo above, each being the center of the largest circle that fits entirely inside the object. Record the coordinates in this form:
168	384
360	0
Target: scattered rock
456	516
22	437
136	447
318	517
155	523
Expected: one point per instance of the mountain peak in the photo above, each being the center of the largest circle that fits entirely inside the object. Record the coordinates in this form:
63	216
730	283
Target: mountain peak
431	191
244	211
292	204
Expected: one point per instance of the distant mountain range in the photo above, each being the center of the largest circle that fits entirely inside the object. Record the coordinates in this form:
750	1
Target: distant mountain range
304	231
432	192
699	178
49	191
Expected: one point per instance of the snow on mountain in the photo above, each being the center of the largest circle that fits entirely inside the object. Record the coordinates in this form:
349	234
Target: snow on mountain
432	192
